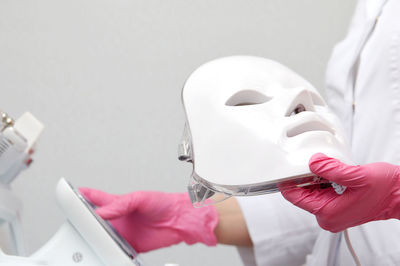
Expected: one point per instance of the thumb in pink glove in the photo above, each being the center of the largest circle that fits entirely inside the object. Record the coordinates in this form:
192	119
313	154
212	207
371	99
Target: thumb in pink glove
150	220
373	193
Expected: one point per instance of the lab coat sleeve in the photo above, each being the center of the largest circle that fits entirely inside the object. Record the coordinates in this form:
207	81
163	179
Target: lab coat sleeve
282	234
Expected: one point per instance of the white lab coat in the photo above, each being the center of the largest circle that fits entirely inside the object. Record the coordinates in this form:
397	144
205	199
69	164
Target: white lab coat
363	88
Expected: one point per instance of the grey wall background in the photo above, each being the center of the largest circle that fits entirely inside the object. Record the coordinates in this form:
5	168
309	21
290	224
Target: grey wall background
105	78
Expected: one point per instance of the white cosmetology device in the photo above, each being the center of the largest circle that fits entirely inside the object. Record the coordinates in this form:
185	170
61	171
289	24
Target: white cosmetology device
84	239
17	141
252	124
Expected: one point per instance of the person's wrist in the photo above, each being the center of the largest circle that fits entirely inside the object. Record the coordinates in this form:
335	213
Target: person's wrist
196	225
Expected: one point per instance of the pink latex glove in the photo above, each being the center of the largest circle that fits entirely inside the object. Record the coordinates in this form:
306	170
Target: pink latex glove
373	193
150	220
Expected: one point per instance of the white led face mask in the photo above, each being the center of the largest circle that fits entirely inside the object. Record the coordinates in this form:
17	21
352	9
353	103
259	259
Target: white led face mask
252	126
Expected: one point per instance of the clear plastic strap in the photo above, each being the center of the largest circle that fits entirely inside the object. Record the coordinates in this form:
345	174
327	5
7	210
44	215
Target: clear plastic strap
201	196
202	193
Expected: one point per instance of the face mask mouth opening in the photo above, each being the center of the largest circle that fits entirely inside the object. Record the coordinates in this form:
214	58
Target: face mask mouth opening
309	127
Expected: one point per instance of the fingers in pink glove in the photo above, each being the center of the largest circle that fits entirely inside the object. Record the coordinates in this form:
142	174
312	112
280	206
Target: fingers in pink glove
121	207
111	206
336	171
310	200
96	197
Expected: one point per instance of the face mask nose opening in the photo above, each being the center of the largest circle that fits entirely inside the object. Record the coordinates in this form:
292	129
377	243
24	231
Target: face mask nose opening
303	101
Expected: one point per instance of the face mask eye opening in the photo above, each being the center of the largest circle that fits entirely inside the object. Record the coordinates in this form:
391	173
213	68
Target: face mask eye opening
247	97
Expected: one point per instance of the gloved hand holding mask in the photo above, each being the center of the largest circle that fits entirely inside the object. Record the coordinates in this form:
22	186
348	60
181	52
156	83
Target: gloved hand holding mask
372	193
